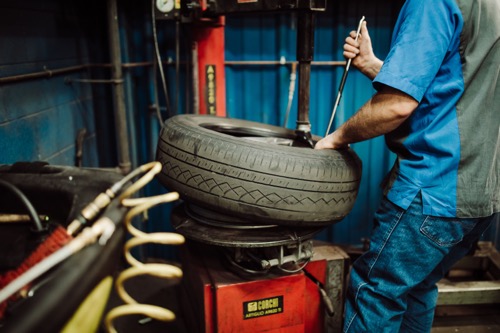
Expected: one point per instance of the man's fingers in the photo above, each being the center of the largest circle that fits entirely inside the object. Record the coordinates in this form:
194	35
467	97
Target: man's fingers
322	144
349	55
351	49
352	42
364	30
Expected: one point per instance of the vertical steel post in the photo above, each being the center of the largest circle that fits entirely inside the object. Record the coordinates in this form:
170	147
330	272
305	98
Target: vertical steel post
305	50
118	89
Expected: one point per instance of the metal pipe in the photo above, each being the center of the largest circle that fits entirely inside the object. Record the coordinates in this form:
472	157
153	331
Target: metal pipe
118	89
46	73
305	50
71	80
304	96
278	62
177	65
195	77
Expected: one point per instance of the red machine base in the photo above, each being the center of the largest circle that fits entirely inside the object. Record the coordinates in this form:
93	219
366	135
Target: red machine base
215	300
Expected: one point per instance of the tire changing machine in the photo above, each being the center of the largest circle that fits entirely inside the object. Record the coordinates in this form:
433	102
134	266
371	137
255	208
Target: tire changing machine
242	276
251	278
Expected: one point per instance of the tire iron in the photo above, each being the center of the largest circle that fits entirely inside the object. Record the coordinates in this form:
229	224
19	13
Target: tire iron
342	82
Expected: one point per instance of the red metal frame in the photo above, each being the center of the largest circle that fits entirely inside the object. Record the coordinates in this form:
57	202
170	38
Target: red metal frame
209	39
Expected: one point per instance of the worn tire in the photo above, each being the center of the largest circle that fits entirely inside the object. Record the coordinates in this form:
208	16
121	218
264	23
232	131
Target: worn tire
209	162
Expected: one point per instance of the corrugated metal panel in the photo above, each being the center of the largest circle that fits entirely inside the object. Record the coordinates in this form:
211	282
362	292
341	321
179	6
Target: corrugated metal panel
41	118
260	92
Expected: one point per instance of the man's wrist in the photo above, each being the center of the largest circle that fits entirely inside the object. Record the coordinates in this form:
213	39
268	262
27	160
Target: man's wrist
338	141
372	68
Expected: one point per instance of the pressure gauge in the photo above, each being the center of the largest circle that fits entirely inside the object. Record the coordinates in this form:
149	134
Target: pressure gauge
165	6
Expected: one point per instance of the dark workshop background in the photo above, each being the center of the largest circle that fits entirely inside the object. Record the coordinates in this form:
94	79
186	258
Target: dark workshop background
46	115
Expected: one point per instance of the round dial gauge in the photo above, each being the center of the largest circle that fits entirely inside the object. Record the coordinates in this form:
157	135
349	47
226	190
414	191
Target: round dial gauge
165	6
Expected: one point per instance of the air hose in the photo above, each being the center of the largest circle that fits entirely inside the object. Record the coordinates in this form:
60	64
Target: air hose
166	271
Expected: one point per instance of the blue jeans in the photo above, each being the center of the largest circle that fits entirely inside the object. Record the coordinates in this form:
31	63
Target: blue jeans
393	285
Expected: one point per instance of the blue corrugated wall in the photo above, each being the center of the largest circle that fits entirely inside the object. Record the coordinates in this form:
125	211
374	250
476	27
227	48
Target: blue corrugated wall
40	118
260	92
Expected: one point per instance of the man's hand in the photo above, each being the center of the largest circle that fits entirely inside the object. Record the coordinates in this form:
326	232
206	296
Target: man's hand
331	141
361	53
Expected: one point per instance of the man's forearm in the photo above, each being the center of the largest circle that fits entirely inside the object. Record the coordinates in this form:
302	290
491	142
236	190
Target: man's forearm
383	113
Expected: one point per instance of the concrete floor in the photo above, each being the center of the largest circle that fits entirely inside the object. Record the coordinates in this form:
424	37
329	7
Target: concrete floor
467	319
469	324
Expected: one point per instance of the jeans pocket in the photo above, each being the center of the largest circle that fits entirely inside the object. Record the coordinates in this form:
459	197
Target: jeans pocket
446	232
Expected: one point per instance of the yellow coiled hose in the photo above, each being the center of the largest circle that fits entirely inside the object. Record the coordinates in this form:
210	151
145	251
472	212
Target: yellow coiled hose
140	205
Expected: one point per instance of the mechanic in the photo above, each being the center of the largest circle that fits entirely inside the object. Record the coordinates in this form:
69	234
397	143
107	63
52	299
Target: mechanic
438	105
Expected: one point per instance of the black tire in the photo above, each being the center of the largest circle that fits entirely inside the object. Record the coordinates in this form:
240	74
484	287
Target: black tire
211	162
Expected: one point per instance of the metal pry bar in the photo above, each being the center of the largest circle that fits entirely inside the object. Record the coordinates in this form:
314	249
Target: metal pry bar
342	82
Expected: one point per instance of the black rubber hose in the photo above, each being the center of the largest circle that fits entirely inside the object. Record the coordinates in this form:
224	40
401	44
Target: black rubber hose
31	210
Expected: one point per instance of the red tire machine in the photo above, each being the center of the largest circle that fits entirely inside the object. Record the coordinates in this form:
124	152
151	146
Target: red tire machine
248	278
241	276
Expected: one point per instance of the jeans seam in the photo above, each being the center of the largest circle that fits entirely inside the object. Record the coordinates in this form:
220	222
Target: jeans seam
400	214
355	312
350	322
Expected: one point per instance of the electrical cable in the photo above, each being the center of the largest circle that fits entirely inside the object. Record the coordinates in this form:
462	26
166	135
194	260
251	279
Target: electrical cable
245	269
160	66
292	271
25	201
155	94
324	295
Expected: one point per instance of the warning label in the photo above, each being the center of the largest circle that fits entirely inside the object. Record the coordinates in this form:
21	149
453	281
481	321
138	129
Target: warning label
210	89
263	307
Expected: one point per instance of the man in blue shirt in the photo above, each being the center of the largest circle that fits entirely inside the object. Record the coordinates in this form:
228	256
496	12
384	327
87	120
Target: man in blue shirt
438	105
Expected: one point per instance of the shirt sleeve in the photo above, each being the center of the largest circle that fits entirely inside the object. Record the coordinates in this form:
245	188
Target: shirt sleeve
420	43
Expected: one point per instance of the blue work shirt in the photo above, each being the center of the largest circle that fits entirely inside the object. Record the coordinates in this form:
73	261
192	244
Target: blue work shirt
440	147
